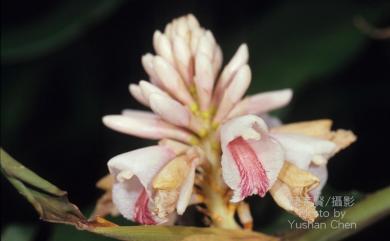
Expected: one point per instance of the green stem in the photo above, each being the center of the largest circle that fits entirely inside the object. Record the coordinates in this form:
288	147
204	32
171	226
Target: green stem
364	213
221	211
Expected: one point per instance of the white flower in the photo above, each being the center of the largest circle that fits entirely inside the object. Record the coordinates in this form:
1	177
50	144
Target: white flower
195	107
152	182
251	158
288	161
308	146
186	91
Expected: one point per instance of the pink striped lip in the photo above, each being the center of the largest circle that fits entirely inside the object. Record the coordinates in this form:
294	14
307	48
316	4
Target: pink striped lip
253	176
142	213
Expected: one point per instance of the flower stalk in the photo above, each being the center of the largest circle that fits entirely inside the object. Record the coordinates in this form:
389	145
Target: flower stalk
215	190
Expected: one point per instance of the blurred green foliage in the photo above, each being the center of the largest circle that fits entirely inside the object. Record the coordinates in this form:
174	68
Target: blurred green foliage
20	232
64	24
301	41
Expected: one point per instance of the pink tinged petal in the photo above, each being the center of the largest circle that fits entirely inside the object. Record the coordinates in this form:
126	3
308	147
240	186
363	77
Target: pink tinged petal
217	60
147	63
168	30
182	28
239	59
147	89
196	34
206	45
271	121
234	92
147	126
134	172
132	202
136	92
172	81
242	126
268	101
204	80
125	195
162	46
174	112
141	114
186	191
302	150
322	173
182	55
192	22
178	147
262	103
143	163
170	110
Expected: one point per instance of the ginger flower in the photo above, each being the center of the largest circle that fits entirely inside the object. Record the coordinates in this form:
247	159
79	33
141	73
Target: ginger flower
214	147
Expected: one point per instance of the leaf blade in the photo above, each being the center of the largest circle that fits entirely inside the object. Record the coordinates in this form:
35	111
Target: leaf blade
179	233
49	201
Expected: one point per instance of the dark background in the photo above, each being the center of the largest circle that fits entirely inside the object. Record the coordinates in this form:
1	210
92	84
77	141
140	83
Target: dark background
65	64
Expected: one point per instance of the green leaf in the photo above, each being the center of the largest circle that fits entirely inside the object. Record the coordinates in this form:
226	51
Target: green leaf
63	232
364	213
49	201
178	233
18	232
64	24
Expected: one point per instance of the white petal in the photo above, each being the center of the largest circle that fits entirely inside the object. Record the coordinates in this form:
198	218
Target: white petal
136	92
178	147
146	126
143	163
271	121
182	55
234	92
163	47
147	63
196	34
186	191
268	101
172	80
147	89
182	27
239	59
192	22
134	172
231	175
125	195
240	126
206	45
262	103
322	173
301	150
204	80
217	60
170	110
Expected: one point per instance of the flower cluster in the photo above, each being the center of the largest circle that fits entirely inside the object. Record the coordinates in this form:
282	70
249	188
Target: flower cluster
216	146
